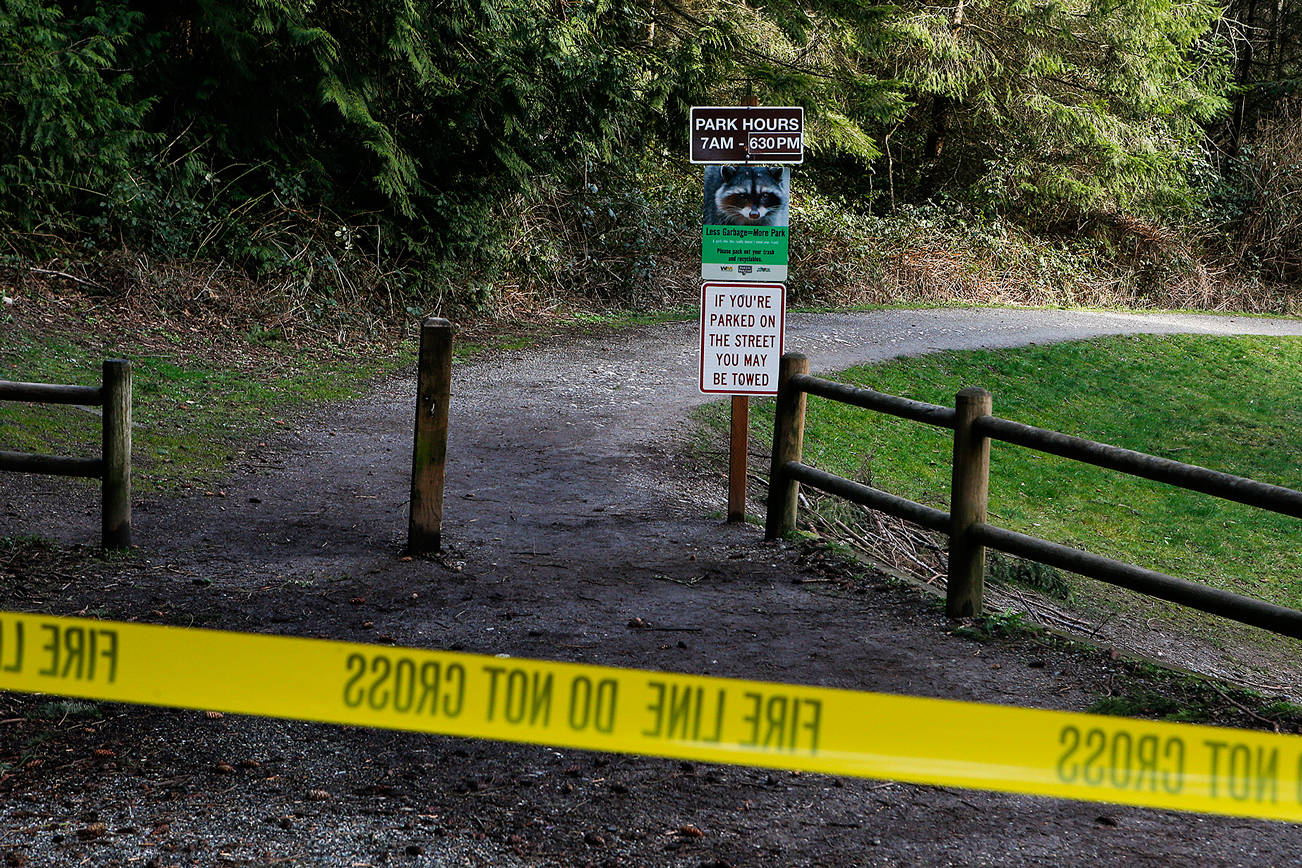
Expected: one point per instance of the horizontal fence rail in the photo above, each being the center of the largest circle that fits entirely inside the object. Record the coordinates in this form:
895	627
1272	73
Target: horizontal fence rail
112	468
48	393
1262	495
1236	607
966	524
905	408
51	465
865	495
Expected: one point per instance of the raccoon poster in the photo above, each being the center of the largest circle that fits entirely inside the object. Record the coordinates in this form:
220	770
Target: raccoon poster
746	195
745	216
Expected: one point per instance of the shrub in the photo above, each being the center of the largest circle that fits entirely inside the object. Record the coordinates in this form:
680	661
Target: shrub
1267	234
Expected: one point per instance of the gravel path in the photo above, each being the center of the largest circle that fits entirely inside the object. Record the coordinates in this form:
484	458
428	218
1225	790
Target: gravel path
569	512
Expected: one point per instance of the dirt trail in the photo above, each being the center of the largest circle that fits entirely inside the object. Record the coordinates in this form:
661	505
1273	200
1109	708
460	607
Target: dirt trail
569	512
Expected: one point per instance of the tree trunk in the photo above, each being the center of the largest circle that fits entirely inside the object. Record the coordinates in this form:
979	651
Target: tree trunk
942	108
1242	77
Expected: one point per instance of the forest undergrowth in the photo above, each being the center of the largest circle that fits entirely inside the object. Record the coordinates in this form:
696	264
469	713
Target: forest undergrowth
577	258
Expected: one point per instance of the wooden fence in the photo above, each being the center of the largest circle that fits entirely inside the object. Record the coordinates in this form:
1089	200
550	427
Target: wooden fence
965	524
113	467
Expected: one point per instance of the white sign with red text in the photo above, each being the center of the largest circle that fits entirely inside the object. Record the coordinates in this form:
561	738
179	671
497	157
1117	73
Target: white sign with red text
741	337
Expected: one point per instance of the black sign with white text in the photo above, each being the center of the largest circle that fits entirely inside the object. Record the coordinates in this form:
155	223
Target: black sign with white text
736	135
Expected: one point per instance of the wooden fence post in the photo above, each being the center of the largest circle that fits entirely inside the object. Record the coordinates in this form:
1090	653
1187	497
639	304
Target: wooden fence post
968	495
430	444
788	444
115	490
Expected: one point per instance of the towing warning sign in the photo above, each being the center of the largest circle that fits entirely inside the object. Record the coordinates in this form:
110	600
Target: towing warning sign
741	337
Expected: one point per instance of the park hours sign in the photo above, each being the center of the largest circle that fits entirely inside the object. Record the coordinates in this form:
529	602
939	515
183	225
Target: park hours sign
741	337
755	135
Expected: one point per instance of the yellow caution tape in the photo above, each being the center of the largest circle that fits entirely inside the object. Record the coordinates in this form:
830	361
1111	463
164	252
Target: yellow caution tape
814	729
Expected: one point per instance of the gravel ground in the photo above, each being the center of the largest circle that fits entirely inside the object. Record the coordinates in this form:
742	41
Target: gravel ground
570	511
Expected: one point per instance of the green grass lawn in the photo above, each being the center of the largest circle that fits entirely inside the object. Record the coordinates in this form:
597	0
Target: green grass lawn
190	416
1230	404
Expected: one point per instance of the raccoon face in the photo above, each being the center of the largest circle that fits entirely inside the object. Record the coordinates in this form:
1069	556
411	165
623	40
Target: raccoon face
749	196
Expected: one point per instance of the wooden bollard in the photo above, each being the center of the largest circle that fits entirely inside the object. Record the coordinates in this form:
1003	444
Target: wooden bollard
430	443
788	445
969	491
115	506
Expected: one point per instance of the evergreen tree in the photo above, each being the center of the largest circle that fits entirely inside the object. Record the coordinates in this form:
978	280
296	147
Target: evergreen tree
819	54
67	120
1057	108
198	127
1266	36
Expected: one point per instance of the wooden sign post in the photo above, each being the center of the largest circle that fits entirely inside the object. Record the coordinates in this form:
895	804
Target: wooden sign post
739	434
742	328
738	446
742	314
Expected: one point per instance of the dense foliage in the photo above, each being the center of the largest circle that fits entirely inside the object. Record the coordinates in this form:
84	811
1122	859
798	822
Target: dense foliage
420	140
69	121
1257	144
1058	108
